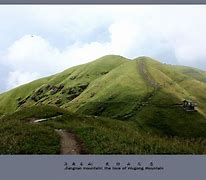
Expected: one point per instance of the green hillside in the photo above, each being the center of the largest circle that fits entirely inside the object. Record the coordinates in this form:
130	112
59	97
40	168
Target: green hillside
113	96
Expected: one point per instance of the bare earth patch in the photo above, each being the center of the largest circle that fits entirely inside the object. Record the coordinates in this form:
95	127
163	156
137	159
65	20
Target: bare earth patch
69	143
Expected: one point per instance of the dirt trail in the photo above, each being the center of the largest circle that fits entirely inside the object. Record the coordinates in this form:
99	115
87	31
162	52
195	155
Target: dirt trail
35	120
146	75
69	143
142	68
145	101
150	81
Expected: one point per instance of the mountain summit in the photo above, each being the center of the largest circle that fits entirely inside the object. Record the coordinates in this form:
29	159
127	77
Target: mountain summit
141	90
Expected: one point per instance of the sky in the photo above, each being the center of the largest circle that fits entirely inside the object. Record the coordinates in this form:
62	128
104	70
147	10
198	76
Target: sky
41	40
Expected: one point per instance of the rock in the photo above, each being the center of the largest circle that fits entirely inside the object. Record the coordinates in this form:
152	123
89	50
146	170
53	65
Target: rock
61	86
72	77
48	86
18	99
104	72
59	101
21	102
53	90
92	95
71	97
83	86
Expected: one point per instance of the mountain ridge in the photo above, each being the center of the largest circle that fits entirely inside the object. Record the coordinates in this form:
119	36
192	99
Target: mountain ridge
102	70
113	94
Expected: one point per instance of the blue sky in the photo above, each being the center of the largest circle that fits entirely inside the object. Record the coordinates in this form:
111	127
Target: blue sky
40	40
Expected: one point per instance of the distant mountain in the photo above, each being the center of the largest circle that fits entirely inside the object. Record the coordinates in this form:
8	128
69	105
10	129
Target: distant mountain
141	90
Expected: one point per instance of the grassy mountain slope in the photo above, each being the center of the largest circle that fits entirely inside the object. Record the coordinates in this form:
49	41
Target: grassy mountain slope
142	95
8	100
104	95
72	77
100	135
164	113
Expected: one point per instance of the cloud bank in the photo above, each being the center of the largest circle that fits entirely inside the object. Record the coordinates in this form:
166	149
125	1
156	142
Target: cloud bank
54	38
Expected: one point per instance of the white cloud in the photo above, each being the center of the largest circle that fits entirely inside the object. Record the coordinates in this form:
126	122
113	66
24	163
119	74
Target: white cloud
32	57
17	78
124	35
33	53
174	34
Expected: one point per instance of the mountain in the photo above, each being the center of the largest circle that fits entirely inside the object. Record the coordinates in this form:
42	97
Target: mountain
142	92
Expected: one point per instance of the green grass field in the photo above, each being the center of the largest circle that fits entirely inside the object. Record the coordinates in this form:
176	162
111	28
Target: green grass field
113	104
100	135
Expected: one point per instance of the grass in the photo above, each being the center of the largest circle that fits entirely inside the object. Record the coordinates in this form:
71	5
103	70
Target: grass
111	81
132	115
21	138
8	100
100	135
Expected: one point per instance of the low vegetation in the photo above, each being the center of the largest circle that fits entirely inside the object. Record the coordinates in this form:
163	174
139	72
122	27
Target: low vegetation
100	135
114	105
